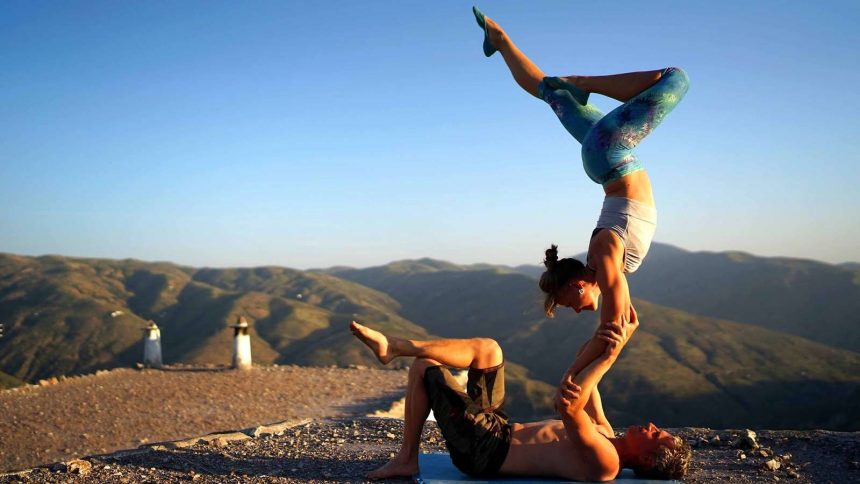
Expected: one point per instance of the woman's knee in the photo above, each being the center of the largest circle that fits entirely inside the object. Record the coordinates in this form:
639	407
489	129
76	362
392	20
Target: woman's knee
488	353
678	78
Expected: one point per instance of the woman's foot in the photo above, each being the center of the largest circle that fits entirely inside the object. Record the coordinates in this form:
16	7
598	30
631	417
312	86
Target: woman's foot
493	34
376	341
396	467
556	83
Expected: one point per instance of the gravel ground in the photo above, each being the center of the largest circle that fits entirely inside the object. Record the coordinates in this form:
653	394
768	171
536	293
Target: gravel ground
123	408
342	449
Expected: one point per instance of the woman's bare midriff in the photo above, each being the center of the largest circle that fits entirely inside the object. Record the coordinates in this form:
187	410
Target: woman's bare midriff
635	186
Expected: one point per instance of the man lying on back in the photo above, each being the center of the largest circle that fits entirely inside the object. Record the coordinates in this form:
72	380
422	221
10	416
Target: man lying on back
579	446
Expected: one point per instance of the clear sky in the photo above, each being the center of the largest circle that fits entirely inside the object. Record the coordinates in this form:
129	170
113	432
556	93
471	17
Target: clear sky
310	134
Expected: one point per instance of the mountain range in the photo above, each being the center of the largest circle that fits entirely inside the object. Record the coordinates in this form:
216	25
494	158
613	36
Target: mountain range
693	362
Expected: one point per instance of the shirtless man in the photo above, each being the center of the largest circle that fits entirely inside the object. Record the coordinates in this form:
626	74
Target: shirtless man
580	446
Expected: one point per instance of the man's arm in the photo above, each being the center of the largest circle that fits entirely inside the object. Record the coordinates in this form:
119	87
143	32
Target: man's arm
594	407
593	349
595	450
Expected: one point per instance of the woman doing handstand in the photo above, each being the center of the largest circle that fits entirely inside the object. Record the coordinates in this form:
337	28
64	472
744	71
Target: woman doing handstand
628	219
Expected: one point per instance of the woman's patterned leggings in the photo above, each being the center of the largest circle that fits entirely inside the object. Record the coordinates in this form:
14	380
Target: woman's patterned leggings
608	141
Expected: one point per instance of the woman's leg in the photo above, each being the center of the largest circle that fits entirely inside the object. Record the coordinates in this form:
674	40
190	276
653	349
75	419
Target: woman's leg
525	72
607	151
568	102
458	353
528	75
617	86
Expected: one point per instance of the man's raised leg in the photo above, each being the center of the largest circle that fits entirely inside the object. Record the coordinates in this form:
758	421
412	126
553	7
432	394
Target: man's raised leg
478	353
457	353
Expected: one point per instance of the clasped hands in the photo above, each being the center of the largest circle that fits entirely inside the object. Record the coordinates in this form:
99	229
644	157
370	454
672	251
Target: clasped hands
615	335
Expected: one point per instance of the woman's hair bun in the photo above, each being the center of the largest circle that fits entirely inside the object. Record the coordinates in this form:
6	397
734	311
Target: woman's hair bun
551	257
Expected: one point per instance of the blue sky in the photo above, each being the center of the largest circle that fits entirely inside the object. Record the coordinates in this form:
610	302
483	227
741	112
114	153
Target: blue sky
311	134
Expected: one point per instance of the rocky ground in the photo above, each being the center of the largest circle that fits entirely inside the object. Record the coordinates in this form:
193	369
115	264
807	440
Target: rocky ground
124	408
316	447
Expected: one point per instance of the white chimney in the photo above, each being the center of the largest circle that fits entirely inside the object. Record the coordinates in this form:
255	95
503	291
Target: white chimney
152	346
241	345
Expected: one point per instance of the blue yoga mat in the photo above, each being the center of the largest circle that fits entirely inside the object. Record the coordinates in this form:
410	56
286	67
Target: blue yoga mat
437	468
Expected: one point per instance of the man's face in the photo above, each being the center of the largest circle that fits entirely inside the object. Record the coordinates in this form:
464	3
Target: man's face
645	441
570	297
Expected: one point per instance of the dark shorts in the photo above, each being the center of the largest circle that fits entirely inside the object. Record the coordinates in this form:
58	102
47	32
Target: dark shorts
475	429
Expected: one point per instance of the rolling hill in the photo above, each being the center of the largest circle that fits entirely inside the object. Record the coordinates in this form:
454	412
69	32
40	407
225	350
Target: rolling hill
70	316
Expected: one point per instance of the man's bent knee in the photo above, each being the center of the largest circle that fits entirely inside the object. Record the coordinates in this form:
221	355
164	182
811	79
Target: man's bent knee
488	353
420	365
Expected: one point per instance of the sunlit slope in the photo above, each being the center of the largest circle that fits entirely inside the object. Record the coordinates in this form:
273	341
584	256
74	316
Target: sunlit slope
61	316
67	316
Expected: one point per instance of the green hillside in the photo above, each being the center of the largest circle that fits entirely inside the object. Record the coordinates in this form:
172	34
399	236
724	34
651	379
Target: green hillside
69	316
807	298
9	381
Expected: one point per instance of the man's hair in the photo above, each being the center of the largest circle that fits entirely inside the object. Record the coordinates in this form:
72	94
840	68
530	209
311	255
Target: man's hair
670	462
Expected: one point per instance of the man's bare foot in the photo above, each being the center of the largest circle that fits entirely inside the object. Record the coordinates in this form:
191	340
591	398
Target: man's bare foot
376	341
395	468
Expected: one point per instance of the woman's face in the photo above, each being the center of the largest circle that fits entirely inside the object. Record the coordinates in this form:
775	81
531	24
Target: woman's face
569	296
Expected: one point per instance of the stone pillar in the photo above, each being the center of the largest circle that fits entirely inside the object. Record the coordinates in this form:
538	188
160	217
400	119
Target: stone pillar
241	344
152	346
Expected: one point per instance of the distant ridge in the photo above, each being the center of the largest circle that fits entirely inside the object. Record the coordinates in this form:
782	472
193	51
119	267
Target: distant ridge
66	316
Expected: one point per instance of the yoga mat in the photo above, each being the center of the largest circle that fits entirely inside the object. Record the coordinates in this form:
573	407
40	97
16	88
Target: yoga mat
437	468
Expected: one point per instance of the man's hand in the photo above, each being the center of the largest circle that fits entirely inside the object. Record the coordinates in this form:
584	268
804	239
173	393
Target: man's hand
567	395
625	328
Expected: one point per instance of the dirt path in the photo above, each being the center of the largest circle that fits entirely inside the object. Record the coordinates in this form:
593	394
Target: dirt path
124	408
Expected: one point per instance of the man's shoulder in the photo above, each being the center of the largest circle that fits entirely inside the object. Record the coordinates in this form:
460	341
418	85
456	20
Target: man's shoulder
600	458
